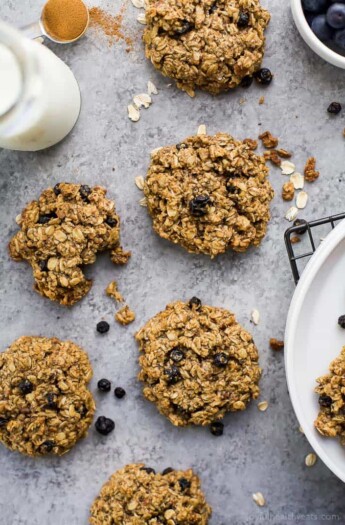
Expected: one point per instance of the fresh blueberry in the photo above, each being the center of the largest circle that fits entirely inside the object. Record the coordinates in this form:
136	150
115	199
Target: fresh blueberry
339	39
119	392
321	28
102	327
104	425
104	385
336	16
314	6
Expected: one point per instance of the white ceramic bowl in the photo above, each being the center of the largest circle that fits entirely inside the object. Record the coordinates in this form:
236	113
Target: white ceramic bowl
313	42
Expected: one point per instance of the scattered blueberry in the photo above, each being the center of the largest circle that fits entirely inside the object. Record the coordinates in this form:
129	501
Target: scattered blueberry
243	19
184	483
334	108
84	192
341	321
104	425
48	445
195	302
104	385
176	355
198	205
217	428
149	470
221	359
302	224
325	401
119	392
246	81
56	189
339	39
321	28
25	386
314	6
263	76
173	374
102	327
43	219
167	471
336	16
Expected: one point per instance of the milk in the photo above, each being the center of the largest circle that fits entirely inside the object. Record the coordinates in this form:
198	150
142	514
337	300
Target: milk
39	95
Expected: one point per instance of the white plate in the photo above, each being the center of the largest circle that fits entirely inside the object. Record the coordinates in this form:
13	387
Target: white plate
313	338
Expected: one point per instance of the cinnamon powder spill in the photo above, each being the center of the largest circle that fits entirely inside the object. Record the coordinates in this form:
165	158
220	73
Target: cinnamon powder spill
110	25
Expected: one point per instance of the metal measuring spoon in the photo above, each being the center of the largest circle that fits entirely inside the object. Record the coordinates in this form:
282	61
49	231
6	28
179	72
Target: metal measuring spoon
38	30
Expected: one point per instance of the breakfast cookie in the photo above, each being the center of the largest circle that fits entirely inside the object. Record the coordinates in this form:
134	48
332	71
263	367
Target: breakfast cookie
210	45
197	363
136	495
45	405
330	421
63	231
209	194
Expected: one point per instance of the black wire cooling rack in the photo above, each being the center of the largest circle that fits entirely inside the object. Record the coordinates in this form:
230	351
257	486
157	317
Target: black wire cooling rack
301	228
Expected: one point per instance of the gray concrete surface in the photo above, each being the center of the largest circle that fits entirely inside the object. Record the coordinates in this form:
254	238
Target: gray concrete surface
259	452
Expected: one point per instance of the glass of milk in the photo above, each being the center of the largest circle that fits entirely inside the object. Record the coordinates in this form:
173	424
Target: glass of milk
39	95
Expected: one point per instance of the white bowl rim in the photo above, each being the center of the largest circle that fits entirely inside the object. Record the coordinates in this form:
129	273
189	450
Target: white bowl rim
316	262
313	42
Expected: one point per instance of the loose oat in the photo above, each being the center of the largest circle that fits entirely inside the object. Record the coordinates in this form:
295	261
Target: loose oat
151	88
141	18
268	140
139	181
113	291
310	460
276	344
200	44
291	214
287	167
259	499
201	129
297	180
136	495
197	363
142	101
310	172
143	202
45	405
63	231
263	406
209	194
330	421
288	191
139	4
125	315
302	199
255	316
133	113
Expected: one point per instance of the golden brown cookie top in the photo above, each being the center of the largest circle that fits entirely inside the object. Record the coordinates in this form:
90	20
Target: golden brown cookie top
197	363
137	495
45	405
211	45
62	231
209	194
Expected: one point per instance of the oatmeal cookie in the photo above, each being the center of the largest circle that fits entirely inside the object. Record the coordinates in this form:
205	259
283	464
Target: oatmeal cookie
63	231
45	405
330	421
209	194
136	495
197	363
210	45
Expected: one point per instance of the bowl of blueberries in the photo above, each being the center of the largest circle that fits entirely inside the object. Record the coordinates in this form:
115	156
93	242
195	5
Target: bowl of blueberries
321	24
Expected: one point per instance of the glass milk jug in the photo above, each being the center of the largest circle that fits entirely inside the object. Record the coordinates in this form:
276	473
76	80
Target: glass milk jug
39	95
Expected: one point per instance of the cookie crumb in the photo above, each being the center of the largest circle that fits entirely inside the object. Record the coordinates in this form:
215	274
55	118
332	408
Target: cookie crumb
251	143
113	292
310	460
263	406
273	157
283	153
259	499
276	344
268	140
310	173
295	240
288	191
120	256
125	315
261	100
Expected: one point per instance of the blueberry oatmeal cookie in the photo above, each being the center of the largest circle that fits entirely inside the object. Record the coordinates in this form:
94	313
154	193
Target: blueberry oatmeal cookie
330	421
63	231
211	45
209	194
45	405
136	495
197	363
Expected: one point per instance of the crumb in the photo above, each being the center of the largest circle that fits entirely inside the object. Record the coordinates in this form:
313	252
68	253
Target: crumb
273	157
268	140
242	101
253	144
288	191
125	315
283	153
276	344
309	171
261	100
113	291
295	240
119	256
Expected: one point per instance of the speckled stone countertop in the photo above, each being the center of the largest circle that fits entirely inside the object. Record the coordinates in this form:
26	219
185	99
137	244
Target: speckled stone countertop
259	451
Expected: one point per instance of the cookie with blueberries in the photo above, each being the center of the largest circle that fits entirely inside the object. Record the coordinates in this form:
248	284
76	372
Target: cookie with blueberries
330	421
137	495
197	363
45	404
212	45
63	231
209	194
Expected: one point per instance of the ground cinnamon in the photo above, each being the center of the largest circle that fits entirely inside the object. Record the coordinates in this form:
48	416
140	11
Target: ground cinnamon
110	25
65	19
